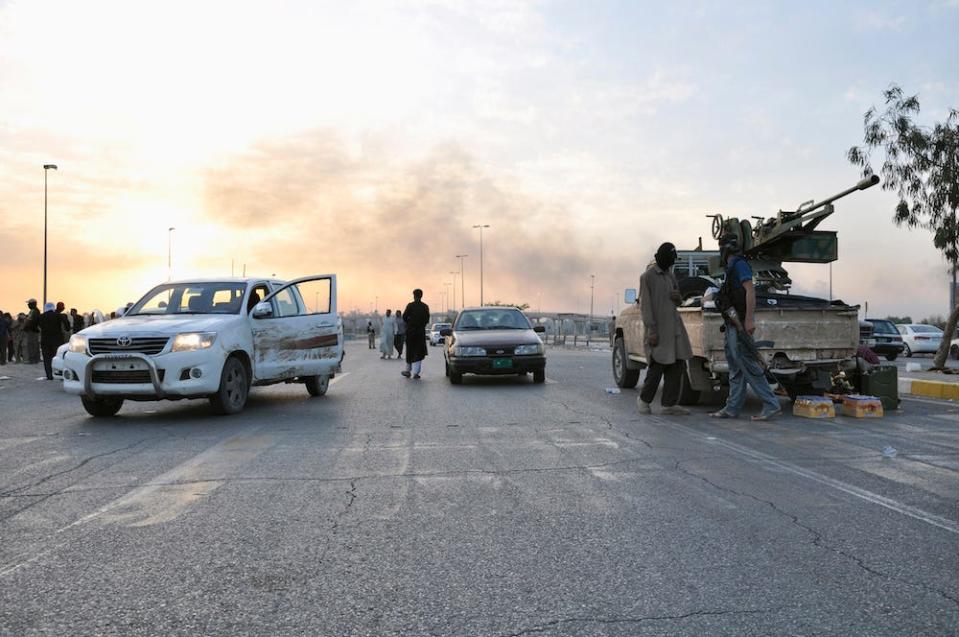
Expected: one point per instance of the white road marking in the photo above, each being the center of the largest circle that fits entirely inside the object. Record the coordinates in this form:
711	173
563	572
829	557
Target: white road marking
339	377
8	443
864	494
550	381
170	494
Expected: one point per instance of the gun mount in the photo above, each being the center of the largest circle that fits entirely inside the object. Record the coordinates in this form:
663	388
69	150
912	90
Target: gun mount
790	236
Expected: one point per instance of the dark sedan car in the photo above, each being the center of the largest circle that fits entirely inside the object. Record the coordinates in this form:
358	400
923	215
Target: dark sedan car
888	339
494	341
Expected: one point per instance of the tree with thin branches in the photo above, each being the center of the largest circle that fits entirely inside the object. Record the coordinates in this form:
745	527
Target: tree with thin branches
921	165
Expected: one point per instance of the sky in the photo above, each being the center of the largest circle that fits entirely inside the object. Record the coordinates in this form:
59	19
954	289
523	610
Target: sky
366	139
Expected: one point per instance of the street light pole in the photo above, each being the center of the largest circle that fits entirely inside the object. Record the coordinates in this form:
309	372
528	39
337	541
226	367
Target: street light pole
169	253
589	327
481	259
454	273
462	281
446	295
46	167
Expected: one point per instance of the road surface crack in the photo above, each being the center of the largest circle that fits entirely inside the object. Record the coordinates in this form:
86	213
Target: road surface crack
632	620
817	537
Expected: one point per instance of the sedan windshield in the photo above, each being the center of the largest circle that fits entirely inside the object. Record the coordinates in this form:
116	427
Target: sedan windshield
191	298
884	327
498	319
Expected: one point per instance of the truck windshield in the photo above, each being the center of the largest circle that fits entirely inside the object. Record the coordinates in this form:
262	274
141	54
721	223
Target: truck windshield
191	298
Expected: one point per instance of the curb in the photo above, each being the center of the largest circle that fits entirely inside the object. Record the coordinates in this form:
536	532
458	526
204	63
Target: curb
929	388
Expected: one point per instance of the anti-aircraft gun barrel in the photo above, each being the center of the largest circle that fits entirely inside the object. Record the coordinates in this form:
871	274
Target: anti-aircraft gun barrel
868	182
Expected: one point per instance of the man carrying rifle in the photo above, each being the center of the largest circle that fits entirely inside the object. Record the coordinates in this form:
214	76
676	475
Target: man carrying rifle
737	301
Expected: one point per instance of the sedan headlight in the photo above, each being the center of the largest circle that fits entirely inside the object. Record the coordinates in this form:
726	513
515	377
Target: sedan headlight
526	350
192	341
469	351
78	344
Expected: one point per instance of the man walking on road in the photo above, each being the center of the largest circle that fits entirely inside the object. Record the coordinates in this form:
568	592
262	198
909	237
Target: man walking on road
667	344
417	317
370	335
739	294
51	336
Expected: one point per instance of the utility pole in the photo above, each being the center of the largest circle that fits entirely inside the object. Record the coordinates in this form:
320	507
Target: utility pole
481	259
462	281
169	253
446	295
589	328
454	289
46	167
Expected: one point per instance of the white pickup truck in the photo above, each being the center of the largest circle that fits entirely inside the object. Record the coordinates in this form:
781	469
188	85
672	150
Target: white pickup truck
210	338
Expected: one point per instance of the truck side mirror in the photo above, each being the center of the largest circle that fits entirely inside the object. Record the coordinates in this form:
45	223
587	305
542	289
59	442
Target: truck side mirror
539	328
630	296
263	310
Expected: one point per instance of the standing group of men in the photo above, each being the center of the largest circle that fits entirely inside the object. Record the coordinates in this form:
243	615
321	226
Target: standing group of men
28	336
667	343
404	329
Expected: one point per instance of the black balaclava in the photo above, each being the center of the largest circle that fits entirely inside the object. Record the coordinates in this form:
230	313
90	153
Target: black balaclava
666	256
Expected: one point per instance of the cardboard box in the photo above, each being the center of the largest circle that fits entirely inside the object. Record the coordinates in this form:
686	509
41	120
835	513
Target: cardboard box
862	406
813	407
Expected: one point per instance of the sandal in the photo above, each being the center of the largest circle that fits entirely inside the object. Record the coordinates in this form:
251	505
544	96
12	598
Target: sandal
767	415
722	413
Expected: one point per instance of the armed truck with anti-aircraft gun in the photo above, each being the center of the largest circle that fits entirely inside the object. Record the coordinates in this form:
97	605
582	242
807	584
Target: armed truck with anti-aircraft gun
805	342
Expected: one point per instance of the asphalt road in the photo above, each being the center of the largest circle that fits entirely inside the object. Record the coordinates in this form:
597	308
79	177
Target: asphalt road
499	507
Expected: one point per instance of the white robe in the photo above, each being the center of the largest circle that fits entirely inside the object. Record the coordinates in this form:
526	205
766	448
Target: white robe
387	332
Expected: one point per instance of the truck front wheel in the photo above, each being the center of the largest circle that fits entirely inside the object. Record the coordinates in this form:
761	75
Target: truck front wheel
102	407
622	374
234	389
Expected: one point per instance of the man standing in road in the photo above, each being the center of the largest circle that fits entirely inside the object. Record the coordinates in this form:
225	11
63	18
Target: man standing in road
400	337
31	330
739	294
417	317
5	325
76	320
51	336
370	335
667	344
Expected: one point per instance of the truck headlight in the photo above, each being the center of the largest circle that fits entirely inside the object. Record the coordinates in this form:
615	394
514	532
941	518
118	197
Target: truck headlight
78	344
192	341
526	350
469	351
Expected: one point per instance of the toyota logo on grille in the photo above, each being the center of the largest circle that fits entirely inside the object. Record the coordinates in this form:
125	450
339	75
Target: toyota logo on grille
499	351
124	341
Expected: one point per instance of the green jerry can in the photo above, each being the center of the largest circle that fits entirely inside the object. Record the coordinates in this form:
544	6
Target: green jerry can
883	383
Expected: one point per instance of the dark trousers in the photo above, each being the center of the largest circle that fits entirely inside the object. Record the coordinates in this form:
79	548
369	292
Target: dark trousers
398	342
656	372
371	340
49	351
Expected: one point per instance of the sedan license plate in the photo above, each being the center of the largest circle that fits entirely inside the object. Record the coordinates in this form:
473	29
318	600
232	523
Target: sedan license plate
502	363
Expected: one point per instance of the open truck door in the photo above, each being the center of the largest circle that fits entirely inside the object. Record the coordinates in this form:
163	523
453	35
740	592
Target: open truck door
297	333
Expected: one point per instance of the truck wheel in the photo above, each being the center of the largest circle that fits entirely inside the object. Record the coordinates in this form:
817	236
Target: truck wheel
234	388
455	378
623	376
539	375
687	395
801	389
102	407
954	352
317	385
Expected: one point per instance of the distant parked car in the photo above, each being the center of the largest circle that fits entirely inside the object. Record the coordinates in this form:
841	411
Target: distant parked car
866	337
918	338
888	340
435	336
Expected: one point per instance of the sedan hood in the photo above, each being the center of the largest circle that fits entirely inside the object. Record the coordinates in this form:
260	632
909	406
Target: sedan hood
162	324
492	338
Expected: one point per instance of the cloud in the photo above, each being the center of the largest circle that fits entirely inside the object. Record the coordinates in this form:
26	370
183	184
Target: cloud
394	224
878	21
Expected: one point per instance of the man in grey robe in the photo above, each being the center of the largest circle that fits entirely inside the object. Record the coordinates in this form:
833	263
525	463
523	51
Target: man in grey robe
667	344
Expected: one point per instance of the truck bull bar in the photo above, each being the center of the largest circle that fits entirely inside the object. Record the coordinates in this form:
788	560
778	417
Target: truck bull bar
151	367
